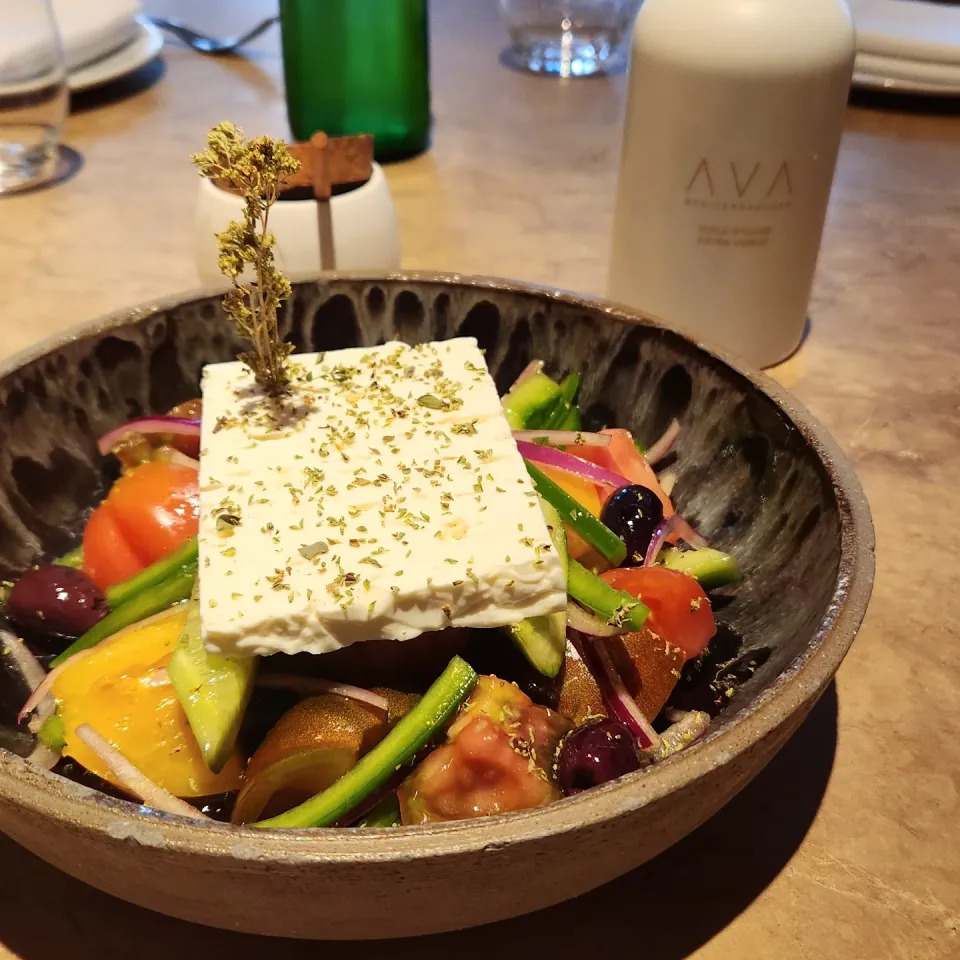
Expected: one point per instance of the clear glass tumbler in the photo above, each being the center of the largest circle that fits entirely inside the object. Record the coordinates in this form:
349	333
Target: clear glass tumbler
570	38
33	93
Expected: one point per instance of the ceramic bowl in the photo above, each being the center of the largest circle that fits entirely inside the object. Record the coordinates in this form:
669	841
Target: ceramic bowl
757	474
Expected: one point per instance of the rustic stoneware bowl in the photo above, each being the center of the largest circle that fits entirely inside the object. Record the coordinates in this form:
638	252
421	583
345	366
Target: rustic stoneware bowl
757	474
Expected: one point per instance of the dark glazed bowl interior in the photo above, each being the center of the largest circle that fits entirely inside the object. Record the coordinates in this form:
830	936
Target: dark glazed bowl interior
756	474
746	476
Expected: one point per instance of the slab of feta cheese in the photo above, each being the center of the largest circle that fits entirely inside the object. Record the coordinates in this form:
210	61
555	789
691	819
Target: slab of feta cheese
383	498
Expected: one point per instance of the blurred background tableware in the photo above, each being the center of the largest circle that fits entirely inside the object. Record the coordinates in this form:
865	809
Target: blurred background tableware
361	223
569	38
93	29
33	93
99	40
358	66
908	47
215	46
144	45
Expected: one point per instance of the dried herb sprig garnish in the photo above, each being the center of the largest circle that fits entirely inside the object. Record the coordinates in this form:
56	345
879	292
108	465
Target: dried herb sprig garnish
255	168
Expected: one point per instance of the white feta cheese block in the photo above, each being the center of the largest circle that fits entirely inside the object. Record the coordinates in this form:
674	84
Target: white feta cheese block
384	497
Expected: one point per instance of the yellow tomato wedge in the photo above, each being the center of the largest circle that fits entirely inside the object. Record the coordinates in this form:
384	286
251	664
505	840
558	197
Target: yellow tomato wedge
312	744
585	493
121	689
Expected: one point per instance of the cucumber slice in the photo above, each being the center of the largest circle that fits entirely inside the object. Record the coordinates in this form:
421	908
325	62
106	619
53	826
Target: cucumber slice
52	734
570	387
712	568
528	405
397	748
543	640
597	534
612	604
385	814
72	559
566	403
212	689
572	421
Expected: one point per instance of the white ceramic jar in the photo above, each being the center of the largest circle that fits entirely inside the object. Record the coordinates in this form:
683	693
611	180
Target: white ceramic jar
733	121
364	230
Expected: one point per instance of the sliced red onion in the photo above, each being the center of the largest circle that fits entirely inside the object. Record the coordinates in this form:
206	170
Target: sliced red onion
672	526
311	685
40	692
564	438
138	783
660	533
615	695
43	688
530	370
590	624
684	531
667	481
568	463
30	671
25	664
660	448
176	426
181	459
42	756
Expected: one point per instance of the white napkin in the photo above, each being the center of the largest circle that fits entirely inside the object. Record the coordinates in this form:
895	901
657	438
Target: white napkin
89	30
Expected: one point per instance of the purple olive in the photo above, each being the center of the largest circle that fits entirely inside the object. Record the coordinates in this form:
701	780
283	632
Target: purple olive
633	514
595	753
55	600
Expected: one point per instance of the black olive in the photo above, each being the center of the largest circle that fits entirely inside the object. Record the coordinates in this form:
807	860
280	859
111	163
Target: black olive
56	601
595	753
633	514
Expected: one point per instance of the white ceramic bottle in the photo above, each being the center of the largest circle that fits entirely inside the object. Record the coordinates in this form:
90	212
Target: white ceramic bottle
733	121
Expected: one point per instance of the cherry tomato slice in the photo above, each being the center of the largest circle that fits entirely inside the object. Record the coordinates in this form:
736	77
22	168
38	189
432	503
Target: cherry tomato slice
679	609
107	556
157	508
623	457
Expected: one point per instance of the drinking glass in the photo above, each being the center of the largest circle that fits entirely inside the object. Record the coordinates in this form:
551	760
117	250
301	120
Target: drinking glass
33	93
570	38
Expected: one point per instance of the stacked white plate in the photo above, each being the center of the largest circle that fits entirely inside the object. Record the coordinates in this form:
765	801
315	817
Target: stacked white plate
102	40
908	46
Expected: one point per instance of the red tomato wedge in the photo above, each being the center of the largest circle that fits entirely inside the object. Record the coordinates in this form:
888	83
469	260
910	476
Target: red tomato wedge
148	513
624	458
157	507
679	609
107	557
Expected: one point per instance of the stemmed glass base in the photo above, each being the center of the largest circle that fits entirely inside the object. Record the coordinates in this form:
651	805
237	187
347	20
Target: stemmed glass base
28	158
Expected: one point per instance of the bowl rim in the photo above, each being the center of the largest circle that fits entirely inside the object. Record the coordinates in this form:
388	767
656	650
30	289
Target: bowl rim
50	796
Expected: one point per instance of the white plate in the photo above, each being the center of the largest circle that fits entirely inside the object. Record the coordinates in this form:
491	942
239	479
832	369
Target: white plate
146	44
895	75
907	46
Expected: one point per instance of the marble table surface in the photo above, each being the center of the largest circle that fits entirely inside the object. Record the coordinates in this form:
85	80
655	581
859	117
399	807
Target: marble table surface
847	846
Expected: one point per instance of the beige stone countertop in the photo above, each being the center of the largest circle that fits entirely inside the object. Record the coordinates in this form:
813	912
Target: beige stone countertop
848	845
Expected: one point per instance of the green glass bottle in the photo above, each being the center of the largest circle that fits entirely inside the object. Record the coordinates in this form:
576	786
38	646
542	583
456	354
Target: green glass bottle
358	66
